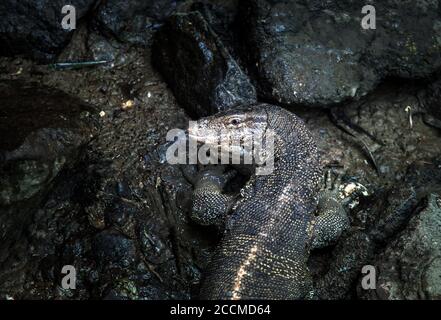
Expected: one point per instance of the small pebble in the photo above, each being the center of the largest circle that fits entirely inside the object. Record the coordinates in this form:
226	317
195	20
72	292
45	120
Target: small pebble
128	104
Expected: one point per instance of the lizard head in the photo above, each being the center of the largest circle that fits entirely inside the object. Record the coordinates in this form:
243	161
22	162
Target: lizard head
233	130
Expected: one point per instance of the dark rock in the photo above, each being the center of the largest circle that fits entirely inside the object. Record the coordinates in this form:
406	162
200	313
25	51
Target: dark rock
317	53
113	250
409	268
430	98
43	131
122	215
130	20
397	211
201	72
221	16
33	27
433	98
102	48
390	214
124	289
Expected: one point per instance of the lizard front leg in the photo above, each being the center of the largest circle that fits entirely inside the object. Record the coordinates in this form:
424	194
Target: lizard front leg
210	204
332	218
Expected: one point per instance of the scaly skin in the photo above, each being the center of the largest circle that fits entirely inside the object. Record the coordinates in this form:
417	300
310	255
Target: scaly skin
266	245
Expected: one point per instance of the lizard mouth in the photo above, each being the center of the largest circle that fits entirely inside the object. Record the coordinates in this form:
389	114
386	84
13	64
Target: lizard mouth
198	136
200	139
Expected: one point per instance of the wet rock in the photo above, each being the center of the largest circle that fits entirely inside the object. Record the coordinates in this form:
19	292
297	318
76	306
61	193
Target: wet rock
201	72
124	290
409	268
43	132
33	27
317	53
221	16
122	215
102	48
398	209
131	20
113	250
391	212
430	98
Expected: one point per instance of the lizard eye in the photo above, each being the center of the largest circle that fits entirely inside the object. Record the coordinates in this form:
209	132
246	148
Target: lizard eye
234	121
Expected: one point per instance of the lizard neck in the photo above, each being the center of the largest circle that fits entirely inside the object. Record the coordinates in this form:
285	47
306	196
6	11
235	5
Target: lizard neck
296	169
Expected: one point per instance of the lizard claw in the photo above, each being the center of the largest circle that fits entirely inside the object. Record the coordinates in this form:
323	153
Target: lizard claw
329	185
348	193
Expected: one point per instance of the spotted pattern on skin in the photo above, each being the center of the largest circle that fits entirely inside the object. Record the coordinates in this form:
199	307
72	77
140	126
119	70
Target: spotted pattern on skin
272	227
